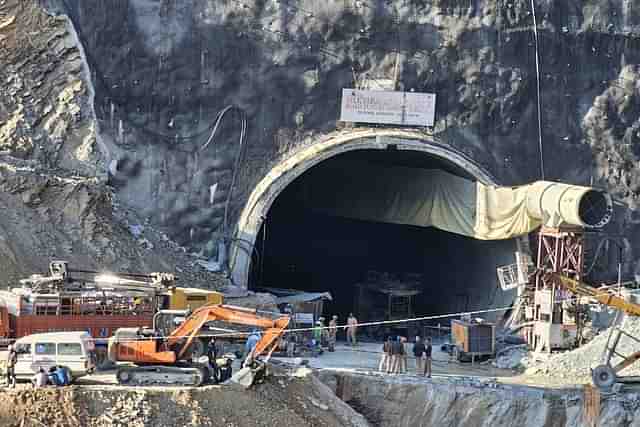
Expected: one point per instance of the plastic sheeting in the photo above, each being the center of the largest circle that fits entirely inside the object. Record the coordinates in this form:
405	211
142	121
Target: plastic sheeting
419	197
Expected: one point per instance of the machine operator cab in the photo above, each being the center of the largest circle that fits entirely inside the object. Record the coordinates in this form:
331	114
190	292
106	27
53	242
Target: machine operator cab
72	350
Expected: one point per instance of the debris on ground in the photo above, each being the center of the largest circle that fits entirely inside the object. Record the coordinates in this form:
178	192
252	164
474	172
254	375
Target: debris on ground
575	366
511	357
257	300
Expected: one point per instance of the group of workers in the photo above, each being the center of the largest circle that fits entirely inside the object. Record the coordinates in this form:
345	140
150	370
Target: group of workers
220	369
323	334
56	375
394	356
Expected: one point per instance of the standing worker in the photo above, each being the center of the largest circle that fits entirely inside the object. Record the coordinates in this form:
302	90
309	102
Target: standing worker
12	359
396	352
385	361
427	353
212	355
212	352
324	334
252	340
352	327
290	339
419	352
333	331
317	334
403	355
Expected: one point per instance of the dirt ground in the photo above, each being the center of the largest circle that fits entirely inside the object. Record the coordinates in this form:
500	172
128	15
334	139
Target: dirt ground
293	395
281	400
365	357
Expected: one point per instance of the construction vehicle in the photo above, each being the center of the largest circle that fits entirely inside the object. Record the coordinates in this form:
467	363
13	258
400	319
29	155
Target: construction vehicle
472	339
168	360
179	298
84	300
606	375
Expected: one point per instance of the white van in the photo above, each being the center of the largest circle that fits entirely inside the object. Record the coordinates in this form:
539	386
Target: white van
73	350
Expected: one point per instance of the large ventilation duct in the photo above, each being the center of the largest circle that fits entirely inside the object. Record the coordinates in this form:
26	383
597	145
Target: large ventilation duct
557	204
436	198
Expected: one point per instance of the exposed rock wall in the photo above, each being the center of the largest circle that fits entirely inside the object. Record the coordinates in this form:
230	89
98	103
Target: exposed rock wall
54	203
407	403
160	71
46	111
47	216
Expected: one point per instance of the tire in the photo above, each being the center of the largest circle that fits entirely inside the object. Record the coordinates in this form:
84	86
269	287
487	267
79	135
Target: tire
204	375
604	377
456	353
123	376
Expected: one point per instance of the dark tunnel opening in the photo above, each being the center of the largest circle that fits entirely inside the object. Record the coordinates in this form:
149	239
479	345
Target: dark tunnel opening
304	246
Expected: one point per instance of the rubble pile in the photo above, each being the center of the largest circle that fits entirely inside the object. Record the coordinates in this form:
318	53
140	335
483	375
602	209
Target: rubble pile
78	219
511	357
283	401
56	195
258	300
131	411
575	366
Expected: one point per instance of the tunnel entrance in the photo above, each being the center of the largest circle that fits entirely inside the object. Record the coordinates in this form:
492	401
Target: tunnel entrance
318	237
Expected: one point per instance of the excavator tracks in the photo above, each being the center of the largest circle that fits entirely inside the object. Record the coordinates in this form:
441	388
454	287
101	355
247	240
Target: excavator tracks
194	375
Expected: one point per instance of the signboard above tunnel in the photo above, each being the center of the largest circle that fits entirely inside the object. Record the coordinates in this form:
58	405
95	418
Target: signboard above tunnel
385	107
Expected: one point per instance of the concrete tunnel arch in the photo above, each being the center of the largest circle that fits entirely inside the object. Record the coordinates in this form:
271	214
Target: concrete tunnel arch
313	152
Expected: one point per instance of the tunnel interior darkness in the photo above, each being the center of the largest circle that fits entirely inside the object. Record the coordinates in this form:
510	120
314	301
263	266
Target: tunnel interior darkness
303	245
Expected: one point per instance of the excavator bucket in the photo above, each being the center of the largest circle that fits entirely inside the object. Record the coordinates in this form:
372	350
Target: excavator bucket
253	373
245	377
256	369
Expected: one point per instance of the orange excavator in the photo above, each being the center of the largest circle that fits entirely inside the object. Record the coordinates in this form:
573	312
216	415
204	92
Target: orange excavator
167	360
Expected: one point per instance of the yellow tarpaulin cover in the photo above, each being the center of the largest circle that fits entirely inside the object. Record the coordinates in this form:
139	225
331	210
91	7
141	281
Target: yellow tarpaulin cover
425	198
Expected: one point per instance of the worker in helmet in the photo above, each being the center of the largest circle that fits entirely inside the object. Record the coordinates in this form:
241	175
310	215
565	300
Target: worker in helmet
317	333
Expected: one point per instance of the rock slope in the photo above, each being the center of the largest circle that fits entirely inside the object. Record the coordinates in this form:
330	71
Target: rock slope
132	89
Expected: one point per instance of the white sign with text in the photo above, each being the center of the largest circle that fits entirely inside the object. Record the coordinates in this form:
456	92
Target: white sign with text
385	107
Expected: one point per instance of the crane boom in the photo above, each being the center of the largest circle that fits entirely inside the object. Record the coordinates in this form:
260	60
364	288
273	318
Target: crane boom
606	298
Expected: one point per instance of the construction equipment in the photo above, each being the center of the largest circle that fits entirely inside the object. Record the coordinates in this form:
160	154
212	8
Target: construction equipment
74	299
473	339
80	300
167	360
606	375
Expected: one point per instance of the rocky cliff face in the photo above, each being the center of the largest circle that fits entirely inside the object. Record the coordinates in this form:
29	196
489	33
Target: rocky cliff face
131	90
409	402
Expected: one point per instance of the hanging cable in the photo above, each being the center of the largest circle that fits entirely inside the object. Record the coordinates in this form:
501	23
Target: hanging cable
535	36
241	145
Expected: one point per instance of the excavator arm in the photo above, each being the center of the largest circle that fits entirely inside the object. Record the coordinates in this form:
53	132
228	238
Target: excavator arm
147	351
191	327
